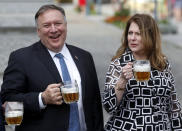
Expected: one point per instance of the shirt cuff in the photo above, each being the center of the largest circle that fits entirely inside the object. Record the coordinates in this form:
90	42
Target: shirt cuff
41	105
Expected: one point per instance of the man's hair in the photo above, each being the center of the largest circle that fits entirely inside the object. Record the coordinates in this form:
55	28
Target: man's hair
45	8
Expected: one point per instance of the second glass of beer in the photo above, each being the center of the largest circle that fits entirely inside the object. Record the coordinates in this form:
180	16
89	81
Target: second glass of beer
70	91
14	113
142	70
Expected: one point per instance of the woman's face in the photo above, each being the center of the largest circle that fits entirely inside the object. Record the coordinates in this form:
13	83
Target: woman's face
135	40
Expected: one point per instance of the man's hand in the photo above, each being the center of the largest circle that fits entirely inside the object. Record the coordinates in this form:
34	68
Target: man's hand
52	95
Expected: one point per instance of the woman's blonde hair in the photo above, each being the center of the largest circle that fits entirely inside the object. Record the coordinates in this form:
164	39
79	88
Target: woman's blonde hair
150	38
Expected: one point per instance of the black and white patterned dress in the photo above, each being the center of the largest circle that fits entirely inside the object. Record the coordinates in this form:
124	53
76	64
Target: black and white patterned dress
145	106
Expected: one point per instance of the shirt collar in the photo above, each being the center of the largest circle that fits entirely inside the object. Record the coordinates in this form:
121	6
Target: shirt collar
64	52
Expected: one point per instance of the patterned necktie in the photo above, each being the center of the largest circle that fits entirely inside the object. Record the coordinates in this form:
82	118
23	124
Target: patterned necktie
74	124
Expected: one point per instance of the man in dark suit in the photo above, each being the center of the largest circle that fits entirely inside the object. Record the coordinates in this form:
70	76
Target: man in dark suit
34	76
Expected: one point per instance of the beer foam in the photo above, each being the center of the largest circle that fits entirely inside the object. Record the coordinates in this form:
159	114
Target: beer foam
144	68
69	90
14	113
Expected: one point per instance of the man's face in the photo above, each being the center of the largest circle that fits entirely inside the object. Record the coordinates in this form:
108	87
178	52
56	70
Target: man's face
52	29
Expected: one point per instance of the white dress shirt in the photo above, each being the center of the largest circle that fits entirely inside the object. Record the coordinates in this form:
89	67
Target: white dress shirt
75	75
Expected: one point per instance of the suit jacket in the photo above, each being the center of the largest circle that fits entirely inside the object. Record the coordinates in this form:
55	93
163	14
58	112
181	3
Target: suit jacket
30	70
2	128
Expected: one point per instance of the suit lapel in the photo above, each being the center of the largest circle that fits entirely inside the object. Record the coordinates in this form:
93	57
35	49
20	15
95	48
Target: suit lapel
78	61
47	60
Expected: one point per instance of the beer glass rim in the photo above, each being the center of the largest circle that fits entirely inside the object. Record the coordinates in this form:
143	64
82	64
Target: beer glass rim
139	62
10	103
14	102
69	82
142	61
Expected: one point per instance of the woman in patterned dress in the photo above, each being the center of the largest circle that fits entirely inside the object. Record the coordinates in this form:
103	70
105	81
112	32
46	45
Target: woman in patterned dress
141	106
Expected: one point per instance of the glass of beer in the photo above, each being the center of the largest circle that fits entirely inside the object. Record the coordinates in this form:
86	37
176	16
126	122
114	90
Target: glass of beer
14	113
141	69
70	92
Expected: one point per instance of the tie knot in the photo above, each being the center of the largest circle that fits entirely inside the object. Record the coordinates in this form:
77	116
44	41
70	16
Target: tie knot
59	55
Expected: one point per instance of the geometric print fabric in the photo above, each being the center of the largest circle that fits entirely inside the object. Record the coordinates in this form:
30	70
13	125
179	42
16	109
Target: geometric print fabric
145	106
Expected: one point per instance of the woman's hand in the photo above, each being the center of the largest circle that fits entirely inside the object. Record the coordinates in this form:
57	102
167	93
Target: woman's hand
127	72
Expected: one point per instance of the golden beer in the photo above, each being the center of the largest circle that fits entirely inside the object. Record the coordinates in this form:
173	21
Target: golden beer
142	70
70	97
142	76
14	117
70	91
